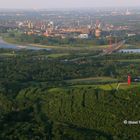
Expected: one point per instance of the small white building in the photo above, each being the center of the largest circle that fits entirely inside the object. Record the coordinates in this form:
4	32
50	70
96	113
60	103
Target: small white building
83	36
132	34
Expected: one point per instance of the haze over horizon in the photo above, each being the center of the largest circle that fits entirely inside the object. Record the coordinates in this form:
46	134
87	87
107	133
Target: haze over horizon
45	4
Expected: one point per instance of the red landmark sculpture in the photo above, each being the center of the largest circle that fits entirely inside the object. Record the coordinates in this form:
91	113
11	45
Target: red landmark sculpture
129	80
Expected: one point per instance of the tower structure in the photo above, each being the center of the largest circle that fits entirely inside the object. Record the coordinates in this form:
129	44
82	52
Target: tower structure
97	29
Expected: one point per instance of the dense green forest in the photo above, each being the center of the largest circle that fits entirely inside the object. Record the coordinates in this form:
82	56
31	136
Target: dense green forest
38	103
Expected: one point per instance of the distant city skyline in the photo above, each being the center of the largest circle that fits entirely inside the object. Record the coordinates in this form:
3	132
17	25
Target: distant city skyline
44	4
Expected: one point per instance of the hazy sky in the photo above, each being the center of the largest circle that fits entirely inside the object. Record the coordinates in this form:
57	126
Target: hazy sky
66	3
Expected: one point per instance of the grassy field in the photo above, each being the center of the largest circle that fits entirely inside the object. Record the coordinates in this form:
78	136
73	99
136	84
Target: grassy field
57	55
92	80
70	47
107	87
129	60
12	41
8	54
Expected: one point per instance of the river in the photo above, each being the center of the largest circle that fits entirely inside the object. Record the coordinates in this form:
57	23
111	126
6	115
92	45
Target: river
130	51
6	45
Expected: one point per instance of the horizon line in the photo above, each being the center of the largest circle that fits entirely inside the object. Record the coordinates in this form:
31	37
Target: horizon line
69	8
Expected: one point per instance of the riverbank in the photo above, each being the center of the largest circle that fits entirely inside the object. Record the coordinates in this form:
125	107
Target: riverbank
67	47
13	45
11	41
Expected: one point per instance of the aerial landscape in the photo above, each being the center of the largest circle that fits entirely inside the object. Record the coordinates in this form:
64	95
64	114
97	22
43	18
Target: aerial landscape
70	73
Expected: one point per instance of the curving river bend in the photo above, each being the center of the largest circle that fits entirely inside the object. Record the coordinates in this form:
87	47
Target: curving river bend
6	45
